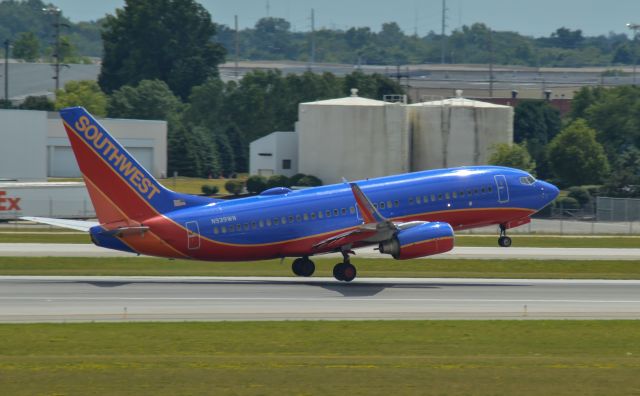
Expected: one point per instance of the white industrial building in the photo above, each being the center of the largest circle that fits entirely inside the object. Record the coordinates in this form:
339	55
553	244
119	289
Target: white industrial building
274	154
358	138
35	145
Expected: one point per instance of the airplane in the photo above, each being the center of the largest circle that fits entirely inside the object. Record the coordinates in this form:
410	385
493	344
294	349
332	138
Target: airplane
406	216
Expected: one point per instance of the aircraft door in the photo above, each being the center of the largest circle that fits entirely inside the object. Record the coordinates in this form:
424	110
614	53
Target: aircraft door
193	235
502	187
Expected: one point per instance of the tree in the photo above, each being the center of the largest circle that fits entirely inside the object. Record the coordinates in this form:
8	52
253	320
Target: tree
514	156
256	184
37	103
625	181
149	100
84	93
536	123
27	47
278	181
575	156
169	40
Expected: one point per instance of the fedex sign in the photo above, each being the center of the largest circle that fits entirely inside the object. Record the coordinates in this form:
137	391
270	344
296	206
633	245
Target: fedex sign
8	203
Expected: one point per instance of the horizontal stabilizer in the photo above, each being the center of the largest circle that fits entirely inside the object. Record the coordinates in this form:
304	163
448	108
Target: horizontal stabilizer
124	231
78	225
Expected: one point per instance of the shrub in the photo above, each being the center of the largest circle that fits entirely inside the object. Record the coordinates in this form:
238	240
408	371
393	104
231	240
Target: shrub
295	179
209	190
580	194
567	203
256	184
278	181
234	187
310	181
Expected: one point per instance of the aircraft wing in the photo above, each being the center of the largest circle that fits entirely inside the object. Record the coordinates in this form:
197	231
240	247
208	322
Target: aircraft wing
375	228
64	223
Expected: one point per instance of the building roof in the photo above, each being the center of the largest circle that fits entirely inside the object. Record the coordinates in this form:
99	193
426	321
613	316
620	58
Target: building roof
459	102
349	101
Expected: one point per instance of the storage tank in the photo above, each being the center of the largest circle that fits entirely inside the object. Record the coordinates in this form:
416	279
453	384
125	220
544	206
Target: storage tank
457	132
352	137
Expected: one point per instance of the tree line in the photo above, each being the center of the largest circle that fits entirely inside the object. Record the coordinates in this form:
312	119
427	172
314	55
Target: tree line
272	38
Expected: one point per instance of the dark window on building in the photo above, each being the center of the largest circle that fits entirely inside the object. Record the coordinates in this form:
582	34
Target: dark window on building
286	164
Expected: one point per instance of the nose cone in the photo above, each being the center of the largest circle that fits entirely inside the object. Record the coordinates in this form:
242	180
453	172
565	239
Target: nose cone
549	191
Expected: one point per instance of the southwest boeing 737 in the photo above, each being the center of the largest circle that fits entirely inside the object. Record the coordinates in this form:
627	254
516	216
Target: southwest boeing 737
406	216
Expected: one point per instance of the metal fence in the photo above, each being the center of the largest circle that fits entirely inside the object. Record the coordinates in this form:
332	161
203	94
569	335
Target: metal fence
617	209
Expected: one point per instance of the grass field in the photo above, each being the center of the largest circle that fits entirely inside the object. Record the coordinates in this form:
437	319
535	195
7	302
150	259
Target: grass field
354	358
431	268
54	236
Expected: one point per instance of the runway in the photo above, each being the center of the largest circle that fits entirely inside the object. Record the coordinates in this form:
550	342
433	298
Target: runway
72	299
512	253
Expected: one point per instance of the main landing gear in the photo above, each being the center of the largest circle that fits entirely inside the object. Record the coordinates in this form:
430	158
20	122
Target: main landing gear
504	240
303	267
345	271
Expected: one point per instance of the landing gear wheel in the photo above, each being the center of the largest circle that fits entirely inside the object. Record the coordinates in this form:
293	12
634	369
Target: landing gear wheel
303	267
345	272
504	241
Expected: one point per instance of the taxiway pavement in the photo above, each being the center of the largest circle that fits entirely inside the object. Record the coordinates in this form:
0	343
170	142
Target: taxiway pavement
89	250
70	299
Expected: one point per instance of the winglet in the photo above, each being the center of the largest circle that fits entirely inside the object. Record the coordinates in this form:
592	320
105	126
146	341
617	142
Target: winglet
369	213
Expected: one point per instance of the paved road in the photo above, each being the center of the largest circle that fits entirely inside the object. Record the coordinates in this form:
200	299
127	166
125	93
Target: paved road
56	299
88	250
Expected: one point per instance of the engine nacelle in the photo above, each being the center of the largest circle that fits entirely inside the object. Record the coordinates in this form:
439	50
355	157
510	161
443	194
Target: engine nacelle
420	241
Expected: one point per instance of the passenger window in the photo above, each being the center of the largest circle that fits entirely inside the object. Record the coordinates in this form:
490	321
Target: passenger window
469	192
389	204
254	225
268	222
238	227
276	221
261	224
454	195
375	205
343	211
439	197
313	215
425	199
461	194
352	210
410	200
335	212
381	205
490	189
231	228
305	217
246	226
223	229
290	219
446	195
216	230
482	190
396	203
283	220
328	213
298	218
475	191
320	214
433	197
418	200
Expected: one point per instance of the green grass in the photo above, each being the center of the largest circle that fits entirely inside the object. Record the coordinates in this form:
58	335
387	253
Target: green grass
461	240
350	358
430	268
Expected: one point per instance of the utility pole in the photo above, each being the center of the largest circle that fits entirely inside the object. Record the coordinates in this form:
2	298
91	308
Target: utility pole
634	27
268	9
56	12
312	55
444	27
6	69
491	61
237	45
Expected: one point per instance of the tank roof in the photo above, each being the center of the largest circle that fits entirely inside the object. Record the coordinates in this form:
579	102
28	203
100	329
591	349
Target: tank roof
460	102
348	101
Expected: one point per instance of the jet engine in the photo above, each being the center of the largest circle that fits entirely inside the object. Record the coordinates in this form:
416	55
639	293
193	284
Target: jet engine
423	240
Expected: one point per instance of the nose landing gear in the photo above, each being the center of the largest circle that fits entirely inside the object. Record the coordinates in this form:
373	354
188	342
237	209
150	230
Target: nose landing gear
504	240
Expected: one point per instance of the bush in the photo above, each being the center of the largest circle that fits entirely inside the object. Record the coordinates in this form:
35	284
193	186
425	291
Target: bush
580	194
567	203
295	179
278	181
310	181
256	184
209	190
234	187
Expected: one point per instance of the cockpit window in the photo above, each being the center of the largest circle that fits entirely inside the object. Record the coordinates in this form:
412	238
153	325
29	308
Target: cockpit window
527	180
